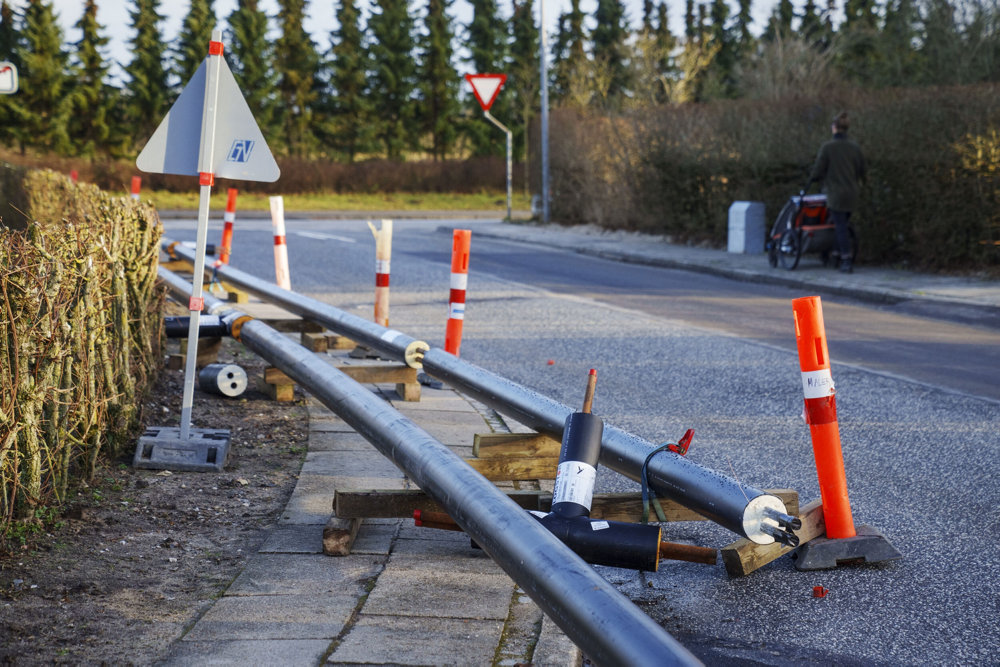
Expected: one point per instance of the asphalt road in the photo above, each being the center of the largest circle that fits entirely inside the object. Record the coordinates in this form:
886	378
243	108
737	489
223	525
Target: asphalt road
918	422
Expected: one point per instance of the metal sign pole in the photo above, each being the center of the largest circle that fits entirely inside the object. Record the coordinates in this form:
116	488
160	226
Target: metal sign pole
543	48
206	158
510	143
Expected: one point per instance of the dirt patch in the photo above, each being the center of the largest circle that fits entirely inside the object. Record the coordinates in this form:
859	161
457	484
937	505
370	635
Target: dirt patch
138	555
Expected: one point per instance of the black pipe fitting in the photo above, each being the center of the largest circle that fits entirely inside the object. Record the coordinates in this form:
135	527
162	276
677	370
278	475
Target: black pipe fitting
209	326
633	546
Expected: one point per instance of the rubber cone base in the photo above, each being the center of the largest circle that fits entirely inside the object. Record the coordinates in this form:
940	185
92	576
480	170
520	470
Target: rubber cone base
823	553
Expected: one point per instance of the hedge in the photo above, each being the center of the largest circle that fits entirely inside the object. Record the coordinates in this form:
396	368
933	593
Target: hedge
931	201
80	322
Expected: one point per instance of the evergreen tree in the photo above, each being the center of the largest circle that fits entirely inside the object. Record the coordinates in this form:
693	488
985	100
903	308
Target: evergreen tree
10	49
146	98
93	100
46	103
250	55
897	55
942	48
779	25
487	42
570	66
720	78
858	57
610	51
297	65
393	79
349	112
523	79
438	80
192	42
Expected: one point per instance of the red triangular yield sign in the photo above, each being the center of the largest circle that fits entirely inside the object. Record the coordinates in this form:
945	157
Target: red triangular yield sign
486	87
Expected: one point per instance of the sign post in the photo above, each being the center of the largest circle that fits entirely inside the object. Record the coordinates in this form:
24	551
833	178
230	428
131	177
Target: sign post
486	87
189	142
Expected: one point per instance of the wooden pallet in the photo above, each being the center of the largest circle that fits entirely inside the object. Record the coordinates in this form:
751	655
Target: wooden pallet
403	376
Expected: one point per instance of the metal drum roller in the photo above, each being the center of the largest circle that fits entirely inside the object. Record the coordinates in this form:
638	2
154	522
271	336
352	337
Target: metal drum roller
223	379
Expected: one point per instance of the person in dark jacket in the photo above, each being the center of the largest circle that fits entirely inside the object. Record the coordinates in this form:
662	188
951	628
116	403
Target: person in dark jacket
840	167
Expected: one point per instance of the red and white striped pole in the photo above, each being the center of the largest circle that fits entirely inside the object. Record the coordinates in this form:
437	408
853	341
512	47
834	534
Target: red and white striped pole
228	218
383	256
136	186
281	274
461	239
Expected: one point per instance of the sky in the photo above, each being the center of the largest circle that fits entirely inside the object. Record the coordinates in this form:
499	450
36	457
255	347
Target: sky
114	16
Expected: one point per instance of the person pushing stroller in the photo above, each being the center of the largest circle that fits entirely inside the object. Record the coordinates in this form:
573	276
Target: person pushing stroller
840	168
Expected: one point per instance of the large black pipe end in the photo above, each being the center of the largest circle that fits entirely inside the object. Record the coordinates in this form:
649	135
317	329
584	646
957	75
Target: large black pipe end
632	546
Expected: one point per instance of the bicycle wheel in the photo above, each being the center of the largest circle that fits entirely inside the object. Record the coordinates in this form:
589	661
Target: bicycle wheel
790	249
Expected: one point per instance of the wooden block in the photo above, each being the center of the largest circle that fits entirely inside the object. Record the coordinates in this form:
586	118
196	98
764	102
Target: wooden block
178	265
314	342
743	556
274	316
375	373
337	342
400	503
208	351
175	362
509	468
279	392
339	535
488	445
408	391
273	375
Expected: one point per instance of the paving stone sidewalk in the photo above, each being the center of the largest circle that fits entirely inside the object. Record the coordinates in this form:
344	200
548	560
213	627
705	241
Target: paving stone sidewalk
404	596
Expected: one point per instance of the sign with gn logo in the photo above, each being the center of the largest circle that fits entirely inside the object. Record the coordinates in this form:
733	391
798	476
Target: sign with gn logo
240	151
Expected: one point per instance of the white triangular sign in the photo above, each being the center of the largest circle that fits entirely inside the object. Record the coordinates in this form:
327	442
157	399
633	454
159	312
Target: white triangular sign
240	151
486	87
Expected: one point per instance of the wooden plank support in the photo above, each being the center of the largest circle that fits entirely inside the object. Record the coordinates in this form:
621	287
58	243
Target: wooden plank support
276	384
743	556
279	319
404	377
314	342
338	342
489	445
339	535
178	266
384	504
208	353
515	468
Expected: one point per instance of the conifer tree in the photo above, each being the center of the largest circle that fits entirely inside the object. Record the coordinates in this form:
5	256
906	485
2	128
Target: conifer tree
192	42
897	57
349	112
811	26
487	42
393	79
146	89
250	55
297	65
523	79
610	51
779	25
438	80
720	79
93	99
10	49
570	66
46	103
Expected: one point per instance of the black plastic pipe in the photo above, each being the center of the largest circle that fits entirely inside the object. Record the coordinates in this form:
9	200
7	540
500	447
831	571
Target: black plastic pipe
594	614
209	326
726	501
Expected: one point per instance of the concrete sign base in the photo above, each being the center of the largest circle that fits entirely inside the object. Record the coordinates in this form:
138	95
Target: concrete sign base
161	448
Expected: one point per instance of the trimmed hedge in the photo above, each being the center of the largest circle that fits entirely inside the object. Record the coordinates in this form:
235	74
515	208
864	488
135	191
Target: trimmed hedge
79	332
931	201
